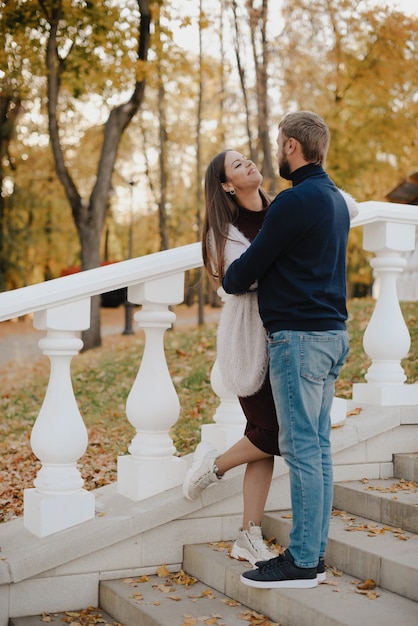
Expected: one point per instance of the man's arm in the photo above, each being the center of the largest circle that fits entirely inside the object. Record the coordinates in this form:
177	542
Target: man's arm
271	242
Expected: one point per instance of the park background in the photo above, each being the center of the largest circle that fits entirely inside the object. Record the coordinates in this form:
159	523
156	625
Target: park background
111	110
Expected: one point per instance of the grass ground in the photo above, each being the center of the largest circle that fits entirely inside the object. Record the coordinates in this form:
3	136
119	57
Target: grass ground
102	379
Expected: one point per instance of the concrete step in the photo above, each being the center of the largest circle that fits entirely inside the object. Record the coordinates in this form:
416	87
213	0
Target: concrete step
176	599
389	501
376	540
406	466
363	548
338	602
83	617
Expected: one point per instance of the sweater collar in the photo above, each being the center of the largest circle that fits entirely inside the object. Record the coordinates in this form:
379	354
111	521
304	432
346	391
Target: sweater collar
304	172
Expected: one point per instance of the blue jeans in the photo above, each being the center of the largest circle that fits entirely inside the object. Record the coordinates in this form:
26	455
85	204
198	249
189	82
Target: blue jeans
303	369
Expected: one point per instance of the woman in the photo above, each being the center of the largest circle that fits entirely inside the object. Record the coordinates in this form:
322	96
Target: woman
235	200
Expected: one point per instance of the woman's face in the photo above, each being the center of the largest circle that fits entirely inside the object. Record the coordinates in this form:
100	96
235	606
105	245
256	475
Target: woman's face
241	173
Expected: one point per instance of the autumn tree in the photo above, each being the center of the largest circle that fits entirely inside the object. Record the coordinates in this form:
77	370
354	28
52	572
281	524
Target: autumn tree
357	67
249	24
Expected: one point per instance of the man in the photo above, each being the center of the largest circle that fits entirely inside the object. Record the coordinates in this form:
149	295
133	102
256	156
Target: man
299	260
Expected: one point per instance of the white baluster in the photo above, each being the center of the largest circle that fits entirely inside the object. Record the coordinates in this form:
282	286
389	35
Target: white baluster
59	436
229	419
387	340
153	405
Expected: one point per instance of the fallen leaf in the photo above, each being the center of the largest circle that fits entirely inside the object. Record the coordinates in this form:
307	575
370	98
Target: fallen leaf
142	579
137	596
189	621
367	584
353	412
336	572
181	578
230	602
162	571
371	595
220	546
204	594
164	588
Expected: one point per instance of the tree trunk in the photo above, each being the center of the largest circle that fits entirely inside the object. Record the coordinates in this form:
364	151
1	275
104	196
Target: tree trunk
10	108
253	152
162	127
258	25
89	215
200	314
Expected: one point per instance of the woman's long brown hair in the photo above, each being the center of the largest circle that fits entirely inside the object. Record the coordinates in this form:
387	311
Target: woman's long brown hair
221	211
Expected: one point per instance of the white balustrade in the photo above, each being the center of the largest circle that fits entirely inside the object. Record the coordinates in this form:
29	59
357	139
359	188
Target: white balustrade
386	340
153	406
59	436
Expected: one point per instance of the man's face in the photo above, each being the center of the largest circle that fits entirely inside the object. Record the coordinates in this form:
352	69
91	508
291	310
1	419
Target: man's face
284	166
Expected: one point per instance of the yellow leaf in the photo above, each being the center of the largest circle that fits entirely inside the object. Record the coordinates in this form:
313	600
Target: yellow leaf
164	588
372	595
181	578
230	602
162	571
204	594
143	579
189	621
367	584
137	596
176	598
220	546
354	412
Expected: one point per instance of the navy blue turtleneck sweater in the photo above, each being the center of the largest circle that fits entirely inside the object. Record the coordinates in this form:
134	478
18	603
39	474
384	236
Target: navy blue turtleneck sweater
299	257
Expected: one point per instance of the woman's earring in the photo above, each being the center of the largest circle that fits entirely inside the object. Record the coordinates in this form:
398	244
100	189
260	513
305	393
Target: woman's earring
232	192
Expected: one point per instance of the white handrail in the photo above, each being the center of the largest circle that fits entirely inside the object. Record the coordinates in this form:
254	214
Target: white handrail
99	280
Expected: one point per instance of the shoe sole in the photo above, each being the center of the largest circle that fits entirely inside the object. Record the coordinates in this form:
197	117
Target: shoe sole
241	554
321	578
300	583
201	451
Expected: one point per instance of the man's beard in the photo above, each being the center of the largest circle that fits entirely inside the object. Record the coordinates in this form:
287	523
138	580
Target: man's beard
284	169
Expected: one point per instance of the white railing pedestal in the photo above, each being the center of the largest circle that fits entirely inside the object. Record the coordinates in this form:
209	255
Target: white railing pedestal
153	406
386	340
229	419
59	436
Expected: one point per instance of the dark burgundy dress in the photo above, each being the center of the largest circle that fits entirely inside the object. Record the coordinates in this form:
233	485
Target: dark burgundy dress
262	428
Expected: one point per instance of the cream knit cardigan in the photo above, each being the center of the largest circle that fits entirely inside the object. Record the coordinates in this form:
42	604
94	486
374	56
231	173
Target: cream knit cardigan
241	338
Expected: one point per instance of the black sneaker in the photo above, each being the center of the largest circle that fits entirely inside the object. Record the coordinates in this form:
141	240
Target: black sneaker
281	573
320	570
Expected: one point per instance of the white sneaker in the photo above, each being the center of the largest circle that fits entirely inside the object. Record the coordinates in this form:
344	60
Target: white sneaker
202	472
250	546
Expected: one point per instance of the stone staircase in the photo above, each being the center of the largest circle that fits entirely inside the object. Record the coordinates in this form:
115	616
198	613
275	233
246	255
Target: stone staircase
372	571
